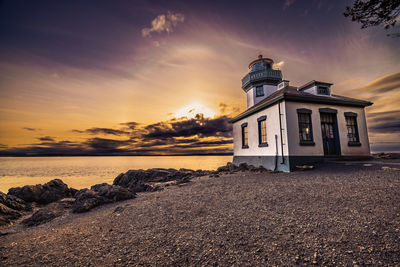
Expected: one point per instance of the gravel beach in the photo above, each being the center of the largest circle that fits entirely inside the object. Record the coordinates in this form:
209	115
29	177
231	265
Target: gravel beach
341	213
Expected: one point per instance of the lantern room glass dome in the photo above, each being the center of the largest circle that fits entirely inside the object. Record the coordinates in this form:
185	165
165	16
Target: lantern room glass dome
261	63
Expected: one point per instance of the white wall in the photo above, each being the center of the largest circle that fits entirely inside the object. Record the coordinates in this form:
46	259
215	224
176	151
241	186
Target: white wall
252	99
272	114
295	149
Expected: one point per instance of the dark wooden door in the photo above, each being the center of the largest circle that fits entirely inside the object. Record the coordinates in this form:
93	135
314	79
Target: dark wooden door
330	136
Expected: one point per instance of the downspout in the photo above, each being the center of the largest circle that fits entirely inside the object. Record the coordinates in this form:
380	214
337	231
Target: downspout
277	153
280	131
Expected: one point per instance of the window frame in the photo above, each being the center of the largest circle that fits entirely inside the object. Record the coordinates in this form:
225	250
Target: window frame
262	88
310	141
260	121
245	135
353	116
325	90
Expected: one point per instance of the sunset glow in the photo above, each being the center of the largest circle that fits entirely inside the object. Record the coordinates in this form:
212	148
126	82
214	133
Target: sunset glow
190	111
71	86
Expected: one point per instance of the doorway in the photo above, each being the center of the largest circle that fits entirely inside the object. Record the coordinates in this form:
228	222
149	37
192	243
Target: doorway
330	135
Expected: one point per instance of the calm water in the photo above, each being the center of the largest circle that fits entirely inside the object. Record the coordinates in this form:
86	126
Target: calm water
81	172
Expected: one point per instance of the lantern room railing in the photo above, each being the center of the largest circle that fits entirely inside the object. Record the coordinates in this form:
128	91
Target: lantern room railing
257	75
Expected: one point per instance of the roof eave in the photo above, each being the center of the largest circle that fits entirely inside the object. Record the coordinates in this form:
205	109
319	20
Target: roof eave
260	107
327	100
311	83
307	99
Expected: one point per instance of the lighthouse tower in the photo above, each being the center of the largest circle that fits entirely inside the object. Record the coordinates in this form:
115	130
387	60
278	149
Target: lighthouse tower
261	81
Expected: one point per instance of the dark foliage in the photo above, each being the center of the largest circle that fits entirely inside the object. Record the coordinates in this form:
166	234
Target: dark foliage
374	12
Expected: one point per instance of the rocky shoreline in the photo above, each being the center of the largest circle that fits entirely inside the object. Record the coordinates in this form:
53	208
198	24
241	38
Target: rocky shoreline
338	214
42	203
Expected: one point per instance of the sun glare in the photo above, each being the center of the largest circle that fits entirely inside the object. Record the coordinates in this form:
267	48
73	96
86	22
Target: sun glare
192	109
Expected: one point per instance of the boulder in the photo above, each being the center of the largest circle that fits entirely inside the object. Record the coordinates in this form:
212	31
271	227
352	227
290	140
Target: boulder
49	212
87	199
223	169
243	167
14	202
42	194
7	215
137	180
261	169
39	217
113	192
229	167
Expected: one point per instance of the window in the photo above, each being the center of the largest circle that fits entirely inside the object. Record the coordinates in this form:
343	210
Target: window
352	129
257	66
262	131
323	90
245	137
305	127
259	91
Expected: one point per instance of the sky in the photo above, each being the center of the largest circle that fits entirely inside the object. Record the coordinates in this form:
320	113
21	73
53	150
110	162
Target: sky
132	77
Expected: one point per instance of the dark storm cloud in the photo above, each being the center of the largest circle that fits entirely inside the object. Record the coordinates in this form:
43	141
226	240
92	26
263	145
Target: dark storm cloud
166	142
384	122
388	115
46	138
218	142
199	126
62	148
131	125
96	130
386	127
385	147
205	144
106	144
92	146
178	136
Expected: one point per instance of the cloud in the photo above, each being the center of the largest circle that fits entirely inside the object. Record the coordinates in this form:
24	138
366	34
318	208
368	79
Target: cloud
163	23
96	130
30	129
384	84
222	107
350	81
177	136
288	3
107	146
46	138
385	147
229	110
131	125
197	126
62	148
279	65
218	142
388	127
384	122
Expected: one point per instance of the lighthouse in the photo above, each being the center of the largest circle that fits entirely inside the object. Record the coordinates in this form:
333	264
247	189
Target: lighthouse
285	126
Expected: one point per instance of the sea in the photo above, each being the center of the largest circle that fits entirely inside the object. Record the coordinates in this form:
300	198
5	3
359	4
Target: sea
83	172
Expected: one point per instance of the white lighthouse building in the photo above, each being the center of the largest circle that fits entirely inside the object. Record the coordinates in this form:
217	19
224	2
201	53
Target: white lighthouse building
285	126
